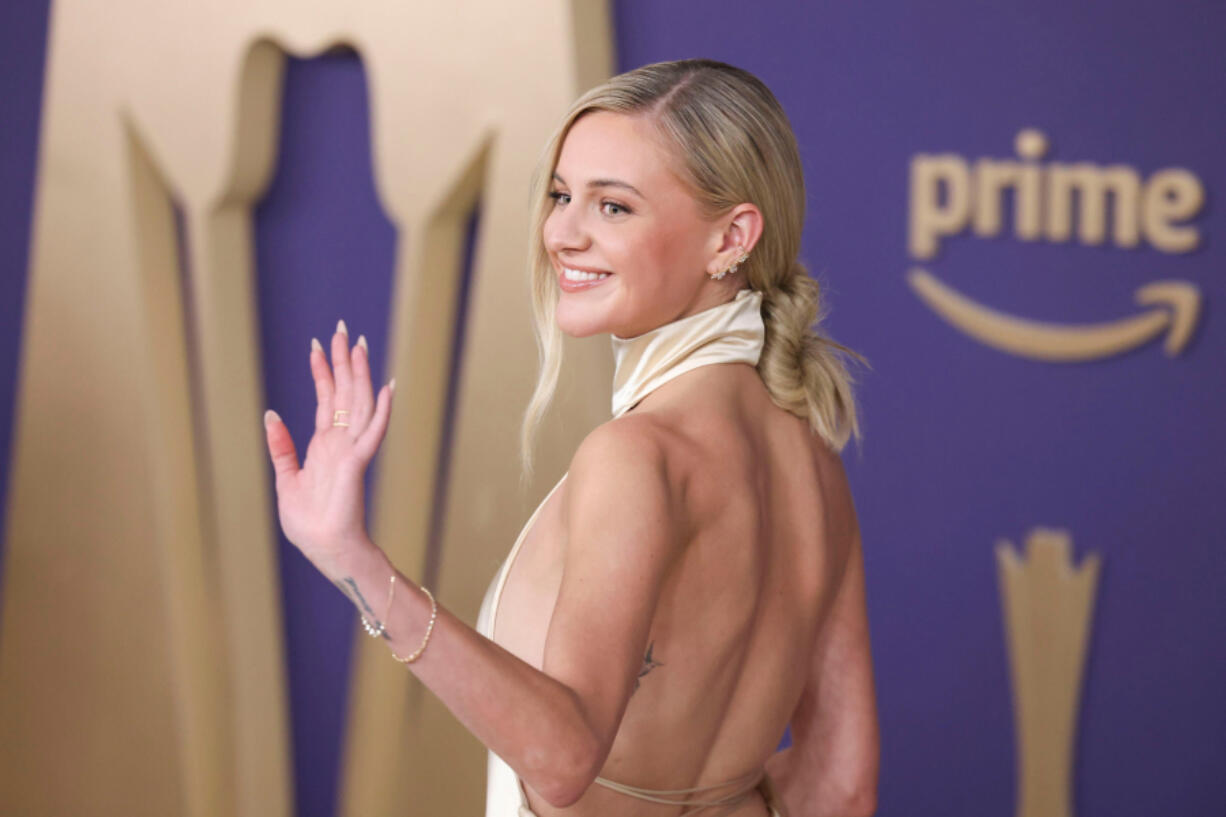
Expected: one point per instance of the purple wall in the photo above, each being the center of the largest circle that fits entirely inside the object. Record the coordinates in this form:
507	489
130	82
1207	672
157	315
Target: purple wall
23	40
325	251
964	445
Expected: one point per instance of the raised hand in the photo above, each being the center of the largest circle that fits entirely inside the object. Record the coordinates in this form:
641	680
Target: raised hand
321	505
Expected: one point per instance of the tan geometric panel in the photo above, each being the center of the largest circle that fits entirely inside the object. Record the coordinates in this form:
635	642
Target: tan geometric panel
1048	606
141	644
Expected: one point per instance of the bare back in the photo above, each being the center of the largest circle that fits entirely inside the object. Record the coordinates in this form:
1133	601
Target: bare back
770	524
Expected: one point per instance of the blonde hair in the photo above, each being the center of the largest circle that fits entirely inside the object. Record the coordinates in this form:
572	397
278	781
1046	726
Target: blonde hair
736	145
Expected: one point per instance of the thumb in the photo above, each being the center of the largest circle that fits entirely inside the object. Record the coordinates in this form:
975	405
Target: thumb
280	445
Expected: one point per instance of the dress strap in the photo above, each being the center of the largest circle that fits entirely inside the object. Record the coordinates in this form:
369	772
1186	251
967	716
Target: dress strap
747	783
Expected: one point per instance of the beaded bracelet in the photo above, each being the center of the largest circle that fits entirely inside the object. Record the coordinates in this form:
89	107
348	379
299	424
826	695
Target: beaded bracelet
376	631
410	658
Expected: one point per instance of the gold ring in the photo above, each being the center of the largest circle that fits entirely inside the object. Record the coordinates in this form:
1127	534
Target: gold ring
336	418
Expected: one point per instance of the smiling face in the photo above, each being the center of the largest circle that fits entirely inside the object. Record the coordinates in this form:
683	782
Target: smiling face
622	219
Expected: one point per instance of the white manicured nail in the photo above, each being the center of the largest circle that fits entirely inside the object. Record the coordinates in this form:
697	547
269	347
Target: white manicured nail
340	327
316	346
362	343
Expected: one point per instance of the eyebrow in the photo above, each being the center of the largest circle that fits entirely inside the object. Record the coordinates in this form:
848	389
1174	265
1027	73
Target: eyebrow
608	183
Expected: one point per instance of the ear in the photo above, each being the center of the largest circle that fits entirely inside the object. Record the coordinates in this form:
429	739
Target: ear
739	230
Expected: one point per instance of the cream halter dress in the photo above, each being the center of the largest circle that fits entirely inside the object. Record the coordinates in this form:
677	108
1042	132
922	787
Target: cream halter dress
732	332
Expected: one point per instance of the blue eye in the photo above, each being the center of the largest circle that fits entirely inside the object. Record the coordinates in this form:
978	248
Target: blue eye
619	207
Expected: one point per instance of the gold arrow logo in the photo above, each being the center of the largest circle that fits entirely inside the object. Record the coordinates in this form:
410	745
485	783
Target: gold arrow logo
1177	302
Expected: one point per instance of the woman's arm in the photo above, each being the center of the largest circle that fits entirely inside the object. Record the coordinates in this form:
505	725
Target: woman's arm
553	727
831	768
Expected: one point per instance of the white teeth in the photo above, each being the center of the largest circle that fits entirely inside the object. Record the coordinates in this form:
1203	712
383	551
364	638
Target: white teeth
579	275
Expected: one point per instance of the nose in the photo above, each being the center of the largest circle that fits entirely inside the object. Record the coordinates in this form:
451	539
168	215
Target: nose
565	230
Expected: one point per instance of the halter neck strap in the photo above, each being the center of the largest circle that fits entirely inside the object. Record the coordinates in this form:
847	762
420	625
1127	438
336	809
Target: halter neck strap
732	332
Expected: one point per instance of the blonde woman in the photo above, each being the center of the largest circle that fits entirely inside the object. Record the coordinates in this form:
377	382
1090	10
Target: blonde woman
694	583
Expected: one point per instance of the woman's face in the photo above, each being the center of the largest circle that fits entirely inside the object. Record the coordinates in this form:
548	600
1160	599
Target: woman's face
620	211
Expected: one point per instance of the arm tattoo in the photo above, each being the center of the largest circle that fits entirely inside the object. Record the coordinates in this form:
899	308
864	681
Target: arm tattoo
649	664
357	598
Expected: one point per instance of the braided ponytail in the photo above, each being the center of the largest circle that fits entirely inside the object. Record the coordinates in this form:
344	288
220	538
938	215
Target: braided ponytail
804	371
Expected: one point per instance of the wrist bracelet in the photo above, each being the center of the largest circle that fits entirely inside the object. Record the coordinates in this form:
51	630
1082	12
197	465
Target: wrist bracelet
410	658
375	631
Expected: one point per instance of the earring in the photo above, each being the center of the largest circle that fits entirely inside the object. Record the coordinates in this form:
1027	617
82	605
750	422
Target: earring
741	260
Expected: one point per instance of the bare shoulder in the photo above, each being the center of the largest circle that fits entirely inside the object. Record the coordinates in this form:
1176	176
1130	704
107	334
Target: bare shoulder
620	476
648	446
628	442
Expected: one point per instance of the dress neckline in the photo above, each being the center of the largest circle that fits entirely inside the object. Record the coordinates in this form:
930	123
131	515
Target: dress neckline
731	332
510	560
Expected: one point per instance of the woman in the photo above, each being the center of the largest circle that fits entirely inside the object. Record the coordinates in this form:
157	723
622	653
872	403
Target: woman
694	582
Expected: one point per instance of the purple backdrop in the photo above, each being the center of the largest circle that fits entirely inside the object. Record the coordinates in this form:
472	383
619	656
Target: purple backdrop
964	445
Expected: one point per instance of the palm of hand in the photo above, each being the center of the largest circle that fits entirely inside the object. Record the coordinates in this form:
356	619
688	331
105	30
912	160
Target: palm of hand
321	505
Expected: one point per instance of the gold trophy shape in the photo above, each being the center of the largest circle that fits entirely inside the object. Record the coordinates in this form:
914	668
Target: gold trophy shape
1047	611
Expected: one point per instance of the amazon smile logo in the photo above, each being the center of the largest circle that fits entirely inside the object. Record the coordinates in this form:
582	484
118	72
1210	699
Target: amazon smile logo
949	195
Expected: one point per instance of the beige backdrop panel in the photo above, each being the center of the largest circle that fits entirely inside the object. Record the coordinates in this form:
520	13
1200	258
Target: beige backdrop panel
1048	608
141	658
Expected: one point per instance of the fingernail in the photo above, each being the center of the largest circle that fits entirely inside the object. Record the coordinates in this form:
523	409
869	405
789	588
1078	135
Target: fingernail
316	346
340	327
271	415
391	385
362	343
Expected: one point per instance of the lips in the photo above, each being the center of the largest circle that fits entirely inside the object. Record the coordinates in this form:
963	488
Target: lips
576	279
